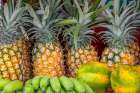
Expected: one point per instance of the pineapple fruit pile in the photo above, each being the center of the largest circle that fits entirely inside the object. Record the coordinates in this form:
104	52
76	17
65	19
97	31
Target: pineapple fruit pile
21	23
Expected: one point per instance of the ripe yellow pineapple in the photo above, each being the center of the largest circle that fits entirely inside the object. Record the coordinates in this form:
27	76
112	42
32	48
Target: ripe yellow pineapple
79	33
80	56
48	60
47	54
14	49
120	35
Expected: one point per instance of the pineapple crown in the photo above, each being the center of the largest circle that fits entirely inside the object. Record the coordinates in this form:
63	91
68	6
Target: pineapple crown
80	19
10	21
44	19
121	23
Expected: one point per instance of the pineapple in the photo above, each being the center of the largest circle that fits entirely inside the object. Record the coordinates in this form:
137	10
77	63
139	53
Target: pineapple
120	37
47	53
14	48
79	34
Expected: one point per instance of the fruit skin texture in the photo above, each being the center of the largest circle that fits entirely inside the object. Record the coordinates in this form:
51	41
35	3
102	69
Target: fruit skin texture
15	60
96	75
125	80
48	60
115	55
77	57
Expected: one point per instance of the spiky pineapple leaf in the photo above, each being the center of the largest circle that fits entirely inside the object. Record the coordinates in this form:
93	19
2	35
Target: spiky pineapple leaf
44	19
11	13
121	24
79	20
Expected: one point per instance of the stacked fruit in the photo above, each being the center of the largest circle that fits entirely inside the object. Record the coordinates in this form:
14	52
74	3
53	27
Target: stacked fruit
56	85
7	86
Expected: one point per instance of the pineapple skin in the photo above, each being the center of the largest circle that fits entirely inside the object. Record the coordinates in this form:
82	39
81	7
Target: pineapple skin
128	56
78	57
15	60
47	60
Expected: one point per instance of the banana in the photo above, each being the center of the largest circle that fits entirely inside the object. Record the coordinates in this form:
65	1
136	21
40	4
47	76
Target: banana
29	89
49	90
28	82
3	83
39	91
13	86
36	82
19	92
62	91
66	83
44	82
88	89
71	91
55	84
78	86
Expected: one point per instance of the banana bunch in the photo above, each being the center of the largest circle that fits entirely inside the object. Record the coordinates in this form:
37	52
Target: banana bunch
56	85
7	86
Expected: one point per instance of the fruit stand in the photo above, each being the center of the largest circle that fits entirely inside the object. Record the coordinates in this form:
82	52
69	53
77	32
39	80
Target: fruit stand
69	46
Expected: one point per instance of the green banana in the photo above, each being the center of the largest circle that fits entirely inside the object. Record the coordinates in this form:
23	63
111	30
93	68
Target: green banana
71	91
3	83
13	86
55	84
19	92
28	82
66	83
39	91
36	82
29	89
49	90
88	89
44	82
62	91
78	86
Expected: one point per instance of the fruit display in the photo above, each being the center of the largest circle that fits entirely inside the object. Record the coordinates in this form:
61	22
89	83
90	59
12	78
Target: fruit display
96	75
121	34
124	79
46	46
47	52
56	85
14	48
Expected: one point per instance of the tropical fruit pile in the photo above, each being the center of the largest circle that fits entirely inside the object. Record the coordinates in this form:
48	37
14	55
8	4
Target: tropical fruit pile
52	39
